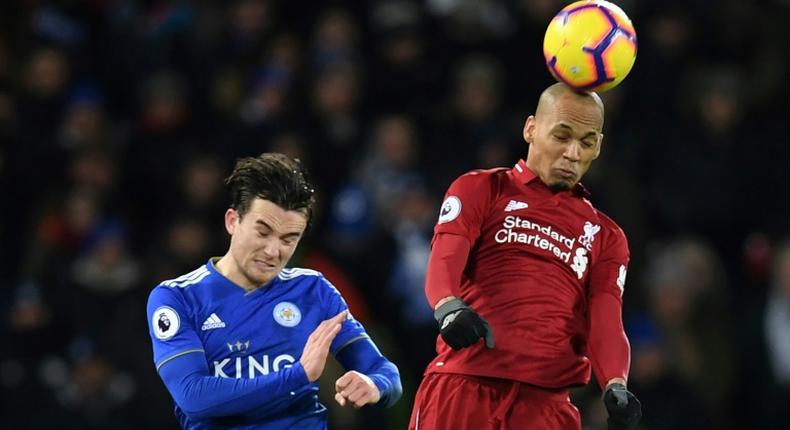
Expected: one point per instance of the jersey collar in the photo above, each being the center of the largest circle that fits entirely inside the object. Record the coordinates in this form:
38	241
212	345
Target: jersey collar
524	175
235	287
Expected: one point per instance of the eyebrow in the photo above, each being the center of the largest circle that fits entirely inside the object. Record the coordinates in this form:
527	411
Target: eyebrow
593	133
265	224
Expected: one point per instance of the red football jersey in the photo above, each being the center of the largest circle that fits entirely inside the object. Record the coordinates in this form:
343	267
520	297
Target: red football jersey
537	261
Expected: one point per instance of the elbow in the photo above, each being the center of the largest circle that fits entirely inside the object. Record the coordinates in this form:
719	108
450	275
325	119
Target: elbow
193	409
394	389
195	415
397	392
195	406
195	412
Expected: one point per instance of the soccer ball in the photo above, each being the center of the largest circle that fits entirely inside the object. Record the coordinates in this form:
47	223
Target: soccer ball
590	45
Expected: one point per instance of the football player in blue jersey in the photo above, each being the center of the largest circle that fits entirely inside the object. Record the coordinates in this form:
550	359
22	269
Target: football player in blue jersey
241	341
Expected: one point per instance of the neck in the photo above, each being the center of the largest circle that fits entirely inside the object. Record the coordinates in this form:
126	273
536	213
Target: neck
532	165
228	268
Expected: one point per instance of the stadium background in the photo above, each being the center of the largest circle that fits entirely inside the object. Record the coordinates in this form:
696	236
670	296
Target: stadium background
119	118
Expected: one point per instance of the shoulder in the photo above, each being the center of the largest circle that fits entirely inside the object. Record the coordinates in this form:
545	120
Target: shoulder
480	176
299	274
609	224
172	291
612	232
311	283
187	280
478	185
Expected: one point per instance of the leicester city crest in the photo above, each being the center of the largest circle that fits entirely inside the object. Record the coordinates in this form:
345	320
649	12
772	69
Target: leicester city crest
287	314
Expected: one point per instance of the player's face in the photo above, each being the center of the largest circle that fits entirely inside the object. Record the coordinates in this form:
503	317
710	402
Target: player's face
564	140
263	240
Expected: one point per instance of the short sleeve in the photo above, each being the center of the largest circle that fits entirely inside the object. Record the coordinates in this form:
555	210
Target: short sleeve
465	205
334	303
170	327
608	273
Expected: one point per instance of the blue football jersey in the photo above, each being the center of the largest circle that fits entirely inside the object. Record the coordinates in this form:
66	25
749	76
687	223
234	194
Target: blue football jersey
247	335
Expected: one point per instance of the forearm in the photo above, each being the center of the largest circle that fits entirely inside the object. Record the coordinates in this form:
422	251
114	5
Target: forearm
446	265
363	356
609	350
387	380
201	396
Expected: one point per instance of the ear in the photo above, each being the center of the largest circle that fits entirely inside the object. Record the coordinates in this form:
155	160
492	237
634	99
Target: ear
231	220
598	150
529	129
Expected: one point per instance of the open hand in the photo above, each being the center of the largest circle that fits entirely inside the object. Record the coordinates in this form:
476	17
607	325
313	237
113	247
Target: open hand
316	349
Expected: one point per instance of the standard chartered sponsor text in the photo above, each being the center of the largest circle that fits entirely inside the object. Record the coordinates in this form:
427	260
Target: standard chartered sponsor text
509	234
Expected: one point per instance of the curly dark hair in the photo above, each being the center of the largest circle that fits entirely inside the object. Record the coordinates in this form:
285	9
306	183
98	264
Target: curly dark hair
274	177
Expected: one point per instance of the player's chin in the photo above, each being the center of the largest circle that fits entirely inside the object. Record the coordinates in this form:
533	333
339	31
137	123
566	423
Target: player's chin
263	273
559	185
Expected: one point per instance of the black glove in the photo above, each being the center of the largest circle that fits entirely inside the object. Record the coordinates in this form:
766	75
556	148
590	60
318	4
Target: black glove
460	326
624	408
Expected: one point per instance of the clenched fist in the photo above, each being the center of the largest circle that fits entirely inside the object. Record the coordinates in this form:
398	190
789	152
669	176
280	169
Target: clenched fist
357	389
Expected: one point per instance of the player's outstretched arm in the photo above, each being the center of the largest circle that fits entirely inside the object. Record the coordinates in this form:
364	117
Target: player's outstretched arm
371	379
201	395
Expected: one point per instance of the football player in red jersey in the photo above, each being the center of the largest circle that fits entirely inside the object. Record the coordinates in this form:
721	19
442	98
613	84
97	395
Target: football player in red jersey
526	278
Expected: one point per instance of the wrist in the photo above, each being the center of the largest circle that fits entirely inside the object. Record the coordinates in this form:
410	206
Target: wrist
443	301
448	310
617	380
297	376
382	385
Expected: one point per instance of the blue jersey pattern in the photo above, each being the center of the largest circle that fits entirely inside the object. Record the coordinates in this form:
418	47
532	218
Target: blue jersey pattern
246	335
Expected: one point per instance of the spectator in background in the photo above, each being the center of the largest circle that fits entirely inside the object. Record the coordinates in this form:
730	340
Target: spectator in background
674	404
472	124
764	336
711	146
687	300
777	326
390	166
45	79
336	122
412	229
200	190
401	76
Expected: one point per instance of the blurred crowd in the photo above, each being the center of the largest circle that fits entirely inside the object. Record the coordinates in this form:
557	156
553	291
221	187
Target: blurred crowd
120	118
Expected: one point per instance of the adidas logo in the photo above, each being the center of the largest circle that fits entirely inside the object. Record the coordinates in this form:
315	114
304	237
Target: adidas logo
514	205
212	322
